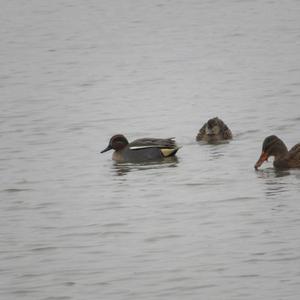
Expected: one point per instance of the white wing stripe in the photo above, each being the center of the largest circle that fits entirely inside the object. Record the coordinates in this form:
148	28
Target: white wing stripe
142	147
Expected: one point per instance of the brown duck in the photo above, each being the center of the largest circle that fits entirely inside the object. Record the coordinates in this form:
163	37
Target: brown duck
284	159
214	130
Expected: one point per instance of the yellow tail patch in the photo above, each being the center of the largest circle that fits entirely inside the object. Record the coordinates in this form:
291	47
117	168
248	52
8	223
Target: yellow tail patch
168	152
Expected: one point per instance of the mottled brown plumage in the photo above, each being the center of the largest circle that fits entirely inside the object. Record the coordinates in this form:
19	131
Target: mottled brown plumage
214	130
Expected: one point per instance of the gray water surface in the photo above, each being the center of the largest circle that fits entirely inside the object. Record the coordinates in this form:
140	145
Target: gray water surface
75	225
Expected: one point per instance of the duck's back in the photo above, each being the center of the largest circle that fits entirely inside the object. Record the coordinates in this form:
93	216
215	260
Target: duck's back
294	156
224	134
153	143
149	149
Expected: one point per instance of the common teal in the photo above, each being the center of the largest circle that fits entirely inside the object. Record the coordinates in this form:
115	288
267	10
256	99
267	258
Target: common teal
141	150
214	130
284	159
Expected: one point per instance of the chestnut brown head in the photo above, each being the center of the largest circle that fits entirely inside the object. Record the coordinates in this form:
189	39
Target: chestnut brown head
117	142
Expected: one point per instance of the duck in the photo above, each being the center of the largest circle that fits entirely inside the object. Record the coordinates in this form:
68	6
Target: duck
141	150
214	130
283	158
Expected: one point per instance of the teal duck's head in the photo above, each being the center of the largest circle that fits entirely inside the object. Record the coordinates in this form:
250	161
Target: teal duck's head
214	127
117	142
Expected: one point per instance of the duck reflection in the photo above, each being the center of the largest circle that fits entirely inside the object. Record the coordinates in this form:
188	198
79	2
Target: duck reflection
274	183
272	173
273	189
216	153
121	169
216	150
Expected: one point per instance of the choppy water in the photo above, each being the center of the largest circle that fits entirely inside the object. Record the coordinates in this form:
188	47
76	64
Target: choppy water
73	225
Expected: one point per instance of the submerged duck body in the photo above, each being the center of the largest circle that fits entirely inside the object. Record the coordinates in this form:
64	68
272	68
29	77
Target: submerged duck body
141	150
214	130
283	158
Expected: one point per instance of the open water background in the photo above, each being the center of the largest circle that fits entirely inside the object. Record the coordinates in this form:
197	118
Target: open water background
74	225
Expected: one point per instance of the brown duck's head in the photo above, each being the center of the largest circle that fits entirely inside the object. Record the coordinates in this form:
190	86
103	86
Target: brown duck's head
214	126
272	146
117	142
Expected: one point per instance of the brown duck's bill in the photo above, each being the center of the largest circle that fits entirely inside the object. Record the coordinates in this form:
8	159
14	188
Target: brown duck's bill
263	157
109	147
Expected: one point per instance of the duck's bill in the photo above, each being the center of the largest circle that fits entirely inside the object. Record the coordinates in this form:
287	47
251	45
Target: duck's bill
263	157
106	149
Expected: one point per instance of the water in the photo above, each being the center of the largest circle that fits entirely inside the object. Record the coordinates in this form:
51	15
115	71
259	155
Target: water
73	225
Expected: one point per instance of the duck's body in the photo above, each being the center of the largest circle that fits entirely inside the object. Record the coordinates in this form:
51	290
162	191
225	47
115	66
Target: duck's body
141	150
214	130
283	158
